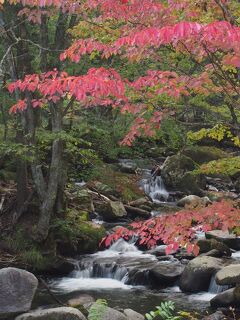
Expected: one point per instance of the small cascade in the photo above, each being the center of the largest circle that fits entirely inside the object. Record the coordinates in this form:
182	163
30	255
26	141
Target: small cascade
215	288
111	268
154	187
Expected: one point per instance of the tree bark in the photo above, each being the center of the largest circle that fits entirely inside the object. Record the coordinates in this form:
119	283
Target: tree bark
54	179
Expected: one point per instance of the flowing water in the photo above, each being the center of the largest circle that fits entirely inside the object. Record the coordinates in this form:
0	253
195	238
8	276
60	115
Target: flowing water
110	274
107	275
154	187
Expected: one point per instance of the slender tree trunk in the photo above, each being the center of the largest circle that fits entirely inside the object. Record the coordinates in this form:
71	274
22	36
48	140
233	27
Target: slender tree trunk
50	194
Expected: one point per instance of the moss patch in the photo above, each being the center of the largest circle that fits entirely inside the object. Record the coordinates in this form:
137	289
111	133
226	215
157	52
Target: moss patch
227	166
124	184
203	154
76	236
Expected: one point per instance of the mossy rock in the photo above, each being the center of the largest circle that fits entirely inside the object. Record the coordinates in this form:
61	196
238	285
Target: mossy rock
177	173
223	167
78	237
191	183
124	185
203	154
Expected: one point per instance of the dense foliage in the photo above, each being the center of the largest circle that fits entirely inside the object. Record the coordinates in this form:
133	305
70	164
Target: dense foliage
179	230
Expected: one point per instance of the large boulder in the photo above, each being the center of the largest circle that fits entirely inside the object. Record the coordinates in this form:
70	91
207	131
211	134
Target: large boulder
61	313
229	275
107	313
197	274
230	239
223	299
207	245
164	274
177	173
112	210
193	201
133	315
17	289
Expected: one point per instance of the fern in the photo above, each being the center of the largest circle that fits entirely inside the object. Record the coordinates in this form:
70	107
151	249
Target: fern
165	312
97	310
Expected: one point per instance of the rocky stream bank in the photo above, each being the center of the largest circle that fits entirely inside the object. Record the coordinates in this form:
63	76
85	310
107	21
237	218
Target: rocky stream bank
127	275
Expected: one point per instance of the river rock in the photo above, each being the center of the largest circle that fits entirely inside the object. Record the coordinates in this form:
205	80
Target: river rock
17	289
166	273
236	293
229	275
107	313
61	267
81	299
83	199
141	201
112	210
61	313
197	274
127	166
176	173
218	315
220	249
193	201
223	299
133	315
230	239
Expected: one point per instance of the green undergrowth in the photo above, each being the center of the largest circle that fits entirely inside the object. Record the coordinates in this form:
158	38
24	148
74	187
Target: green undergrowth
226	166
76	233
28	253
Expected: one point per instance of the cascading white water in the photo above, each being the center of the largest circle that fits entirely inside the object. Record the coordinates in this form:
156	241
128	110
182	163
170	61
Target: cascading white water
154	187
105	269
215	288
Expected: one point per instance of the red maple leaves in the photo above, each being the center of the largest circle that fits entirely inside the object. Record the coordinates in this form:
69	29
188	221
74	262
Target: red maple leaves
179	230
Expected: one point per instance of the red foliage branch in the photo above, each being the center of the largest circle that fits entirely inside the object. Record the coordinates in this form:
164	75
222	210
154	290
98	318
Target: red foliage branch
196	37
98	87
179	230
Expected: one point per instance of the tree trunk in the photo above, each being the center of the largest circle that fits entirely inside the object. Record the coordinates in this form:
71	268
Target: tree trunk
50	196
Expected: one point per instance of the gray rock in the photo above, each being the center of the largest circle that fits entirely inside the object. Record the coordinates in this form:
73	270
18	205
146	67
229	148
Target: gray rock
107	313
197	274
194	201
127	166
17	289
61	313
133	315
230	239
223	299
80	300
176	173
229	275
218	315
166	273
206	245
112	210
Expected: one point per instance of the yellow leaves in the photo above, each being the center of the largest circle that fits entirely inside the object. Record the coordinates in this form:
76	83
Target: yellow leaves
218	132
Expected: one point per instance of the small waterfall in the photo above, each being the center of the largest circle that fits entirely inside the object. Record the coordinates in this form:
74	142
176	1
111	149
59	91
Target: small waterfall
154	187
215	288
